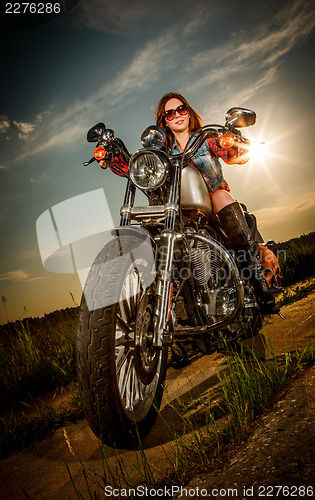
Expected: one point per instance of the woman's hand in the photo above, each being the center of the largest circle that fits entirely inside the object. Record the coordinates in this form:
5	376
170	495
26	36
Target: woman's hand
103	163
242	157
243	154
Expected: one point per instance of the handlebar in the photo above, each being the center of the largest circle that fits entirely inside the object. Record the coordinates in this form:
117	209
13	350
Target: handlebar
111	146
201	135
208	131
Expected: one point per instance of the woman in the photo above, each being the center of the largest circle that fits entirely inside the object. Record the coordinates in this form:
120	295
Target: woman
179	120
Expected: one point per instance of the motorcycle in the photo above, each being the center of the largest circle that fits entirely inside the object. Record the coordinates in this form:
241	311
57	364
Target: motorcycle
165	280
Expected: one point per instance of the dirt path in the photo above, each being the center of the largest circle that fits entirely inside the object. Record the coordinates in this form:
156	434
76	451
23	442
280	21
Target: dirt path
42	471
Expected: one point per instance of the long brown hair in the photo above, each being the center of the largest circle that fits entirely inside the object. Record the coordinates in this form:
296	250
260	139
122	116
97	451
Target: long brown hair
195	120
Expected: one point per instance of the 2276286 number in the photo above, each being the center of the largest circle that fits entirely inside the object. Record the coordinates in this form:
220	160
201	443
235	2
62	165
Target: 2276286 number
32	8
285	491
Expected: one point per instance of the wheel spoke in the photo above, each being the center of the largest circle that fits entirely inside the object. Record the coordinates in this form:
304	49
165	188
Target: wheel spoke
134	289
124	377
121	359
125	311
130	386
137	387
123	325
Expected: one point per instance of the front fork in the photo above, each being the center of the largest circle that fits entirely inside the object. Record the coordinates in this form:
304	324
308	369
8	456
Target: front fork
166	246
163	294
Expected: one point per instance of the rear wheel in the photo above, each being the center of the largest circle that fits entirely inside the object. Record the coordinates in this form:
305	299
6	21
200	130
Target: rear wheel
121	373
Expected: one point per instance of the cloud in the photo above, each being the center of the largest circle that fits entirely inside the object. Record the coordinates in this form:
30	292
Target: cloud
4	124
123	18
146	68
112	17
18	275
261	50
25	129
240	95
296	210
36	279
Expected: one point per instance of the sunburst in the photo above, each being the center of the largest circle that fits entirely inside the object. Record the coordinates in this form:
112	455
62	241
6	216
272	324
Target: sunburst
266	154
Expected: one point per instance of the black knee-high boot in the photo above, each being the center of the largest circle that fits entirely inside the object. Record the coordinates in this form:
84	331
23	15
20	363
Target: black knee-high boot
233	222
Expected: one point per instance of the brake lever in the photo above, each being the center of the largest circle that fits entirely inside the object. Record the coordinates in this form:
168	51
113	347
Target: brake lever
87	163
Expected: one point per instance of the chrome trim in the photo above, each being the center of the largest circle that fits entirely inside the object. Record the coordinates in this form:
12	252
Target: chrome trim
157	153
240	117
153	137
172	207
149	211
237	280
164	287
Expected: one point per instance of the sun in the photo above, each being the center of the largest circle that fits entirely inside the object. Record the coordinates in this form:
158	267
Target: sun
259	152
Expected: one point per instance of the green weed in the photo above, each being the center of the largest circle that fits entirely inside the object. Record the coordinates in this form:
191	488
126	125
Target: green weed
298	292
36	355
19	430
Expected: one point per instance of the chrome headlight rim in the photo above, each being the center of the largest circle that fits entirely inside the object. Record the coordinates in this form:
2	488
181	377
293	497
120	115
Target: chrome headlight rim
162	158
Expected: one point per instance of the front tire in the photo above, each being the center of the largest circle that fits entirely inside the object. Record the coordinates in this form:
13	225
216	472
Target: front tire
121	373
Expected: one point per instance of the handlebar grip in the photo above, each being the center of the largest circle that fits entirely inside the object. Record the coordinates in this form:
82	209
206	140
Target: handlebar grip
87	163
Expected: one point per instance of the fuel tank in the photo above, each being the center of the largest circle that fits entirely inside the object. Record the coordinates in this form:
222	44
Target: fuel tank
195	197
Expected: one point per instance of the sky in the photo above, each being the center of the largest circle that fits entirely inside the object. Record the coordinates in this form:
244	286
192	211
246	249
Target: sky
105	61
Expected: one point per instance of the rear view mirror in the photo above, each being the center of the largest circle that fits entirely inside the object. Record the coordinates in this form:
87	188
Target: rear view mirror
240	117
153	137
96	133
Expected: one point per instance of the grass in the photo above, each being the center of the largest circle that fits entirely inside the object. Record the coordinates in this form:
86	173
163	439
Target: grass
296	292
247	390
19	430
120	477
297	258
36	355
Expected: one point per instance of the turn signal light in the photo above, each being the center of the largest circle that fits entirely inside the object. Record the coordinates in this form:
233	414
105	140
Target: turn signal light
99	153
226	141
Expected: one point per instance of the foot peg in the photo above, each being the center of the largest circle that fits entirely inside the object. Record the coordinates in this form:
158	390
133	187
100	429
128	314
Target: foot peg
276	311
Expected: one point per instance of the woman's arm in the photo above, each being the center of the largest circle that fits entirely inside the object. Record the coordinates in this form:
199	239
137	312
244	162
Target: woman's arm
235	155
117	164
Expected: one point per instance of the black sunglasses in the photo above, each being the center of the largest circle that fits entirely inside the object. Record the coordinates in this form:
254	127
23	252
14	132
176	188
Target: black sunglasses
170	113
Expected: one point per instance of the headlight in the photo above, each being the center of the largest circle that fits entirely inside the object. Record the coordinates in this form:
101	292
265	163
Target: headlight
148	169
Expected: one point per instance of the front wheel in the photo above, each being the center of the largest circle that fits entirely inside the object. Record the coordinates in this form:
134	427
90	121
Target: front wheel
121	373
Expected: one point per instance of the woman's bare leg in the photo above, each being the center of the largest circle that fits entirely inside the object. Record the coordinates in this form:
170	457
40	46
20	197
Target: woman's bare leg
221	199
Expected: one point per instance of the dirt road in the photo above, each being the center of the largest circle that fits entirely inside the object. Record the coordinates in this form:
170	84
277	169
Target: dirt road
41	471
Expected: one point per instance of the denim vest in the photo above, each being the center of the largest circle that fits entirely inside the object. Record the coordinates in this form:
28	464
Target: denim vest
206	162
